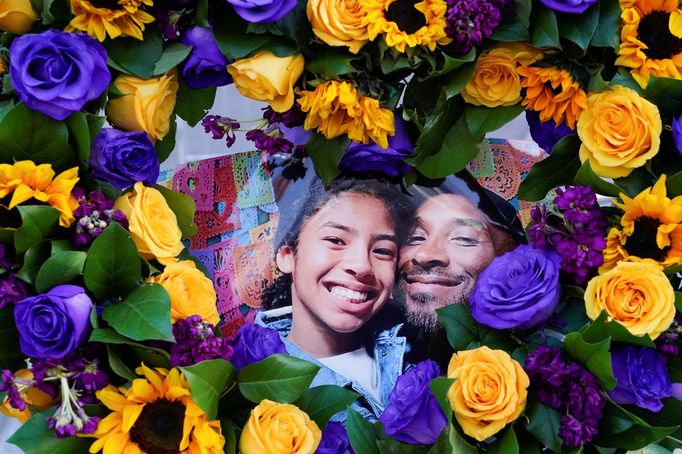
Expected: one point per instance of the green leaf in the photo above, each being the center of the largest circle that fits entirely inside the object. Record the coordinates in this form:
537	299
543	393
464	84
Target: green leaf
678	302
482	119
457	79
326	155
207	381
514	27
165	147
38	222
634	183
579	29
666	94
136	57
459	147
544	31
323	402
27	134
80	133
442	445
459	444
452	63
508	445
142	315
439	119
608	28
60	268
330	62
36	438
117	365
201	14
174	54
11	356
183	206
600	330
109	336
596	356
193	104
278	377
234	41
439	387
34	258
113	266
673	185
557	169
587	177
230	436
460	326
543	423
361	434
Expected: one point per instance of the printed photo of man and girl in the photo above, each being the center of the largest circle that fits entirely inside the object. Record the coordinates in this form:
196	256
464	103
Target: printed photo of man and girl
362	266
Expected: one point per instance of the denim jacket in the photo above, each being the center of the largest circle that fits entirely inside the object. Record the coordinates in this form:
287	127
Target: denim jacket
389	351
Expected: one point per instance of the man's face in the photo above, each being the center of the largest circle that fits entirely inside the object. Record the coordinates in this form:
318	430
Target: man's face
445	252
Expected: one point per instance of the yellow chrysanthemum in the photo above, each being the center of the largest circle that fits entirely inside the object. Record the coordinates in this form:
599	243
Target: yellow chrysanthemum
156	414
651	229
99	18
336	108
552	92
651	39
25	180
401	26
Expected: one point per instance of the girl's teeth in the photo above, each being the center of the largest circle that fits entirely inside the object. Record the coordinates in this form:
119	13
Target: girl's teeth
352	295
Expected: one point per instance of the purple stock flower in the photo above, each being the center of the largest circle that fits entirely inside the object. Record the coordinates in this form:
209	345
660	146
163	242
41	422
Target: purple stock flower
371	157
574	432
546	133
580	253
195	342
291	118
577	203
12	289
220	127
206	66
269	143
413	414
568	6
519	289
10	385
56	73
255	343
53	324
536	230
334	440
677	133
642	378
549	372
257	11
123	158
94	213
469	21
171	17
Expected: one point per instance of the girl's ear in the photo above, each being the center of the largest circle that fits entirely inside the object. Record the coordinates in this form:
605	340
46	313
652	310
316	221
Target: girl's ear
285	259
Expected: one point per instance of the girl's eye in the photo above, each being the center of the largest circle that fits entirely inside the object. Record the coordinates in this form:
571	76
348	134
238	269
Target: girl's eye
334	240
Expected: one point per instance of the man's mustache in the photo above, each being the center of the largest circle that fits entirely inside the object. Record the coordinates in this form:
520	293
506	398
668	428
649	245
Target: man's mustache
433	272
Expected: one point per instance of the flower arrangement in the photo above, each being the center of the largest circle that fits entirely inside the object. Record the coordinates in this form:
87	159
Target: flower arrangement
94	275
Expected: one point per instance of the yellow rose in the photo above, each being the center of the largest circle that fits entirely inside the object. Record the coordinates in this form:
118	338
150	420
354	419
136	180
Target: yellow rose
338	23
190	291
266	77
619	131
495	81
490	390
144	105
637	295
16	16
276	428
152	224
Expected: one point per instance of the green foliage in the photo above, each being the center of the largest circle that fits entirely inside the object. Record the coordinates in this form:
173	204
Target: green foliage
459	444
515	26
481	119
38	222
507	445
10	358
326	155
542	422
587	177
544	30
460	326
34	258
596	356
135	57
193	104
142	315
557	169
331	62
601	329
281	378
61	268
452	63
207	381
323	402
173	54
440	387
580	31
607	32
183	206
361	433
36	438
666	94
165	147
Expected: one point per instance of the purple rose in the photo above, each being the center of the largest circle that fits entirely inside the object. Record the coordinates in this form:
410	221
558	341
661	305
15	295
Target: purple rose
334	440
519	289
413	414
206	65
677	133
255	343
546	133
53	324
568	6
56	73
257	11
362	157
124	158
642	378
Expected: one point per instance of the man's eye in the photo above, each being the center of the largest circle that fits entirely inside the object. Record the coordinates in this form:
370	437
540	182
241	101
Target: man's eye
384	252
466	241
415	239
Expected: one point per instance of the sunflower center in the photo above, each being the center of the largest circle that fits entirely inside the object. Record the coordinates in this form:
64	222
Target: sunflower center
158	429
642	242
654	31
404	14
108	4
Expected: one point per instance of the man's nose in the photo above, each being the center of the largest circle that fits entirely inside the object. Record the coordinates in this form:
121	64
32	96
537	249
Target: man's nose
431	253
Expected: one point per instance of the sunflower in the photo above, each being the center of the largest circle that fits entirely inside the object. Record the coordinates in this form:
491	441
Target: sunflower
335	108
651	39
156	415
25	180
99	18
553	92
650	229
402	26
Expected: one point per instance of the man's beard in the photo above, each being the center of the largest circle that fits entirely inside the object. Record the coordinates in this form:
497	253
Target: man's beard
420	308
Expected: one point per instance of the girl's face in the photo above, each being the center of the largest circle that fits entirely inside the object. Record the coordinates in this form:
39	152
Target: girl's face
345	264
